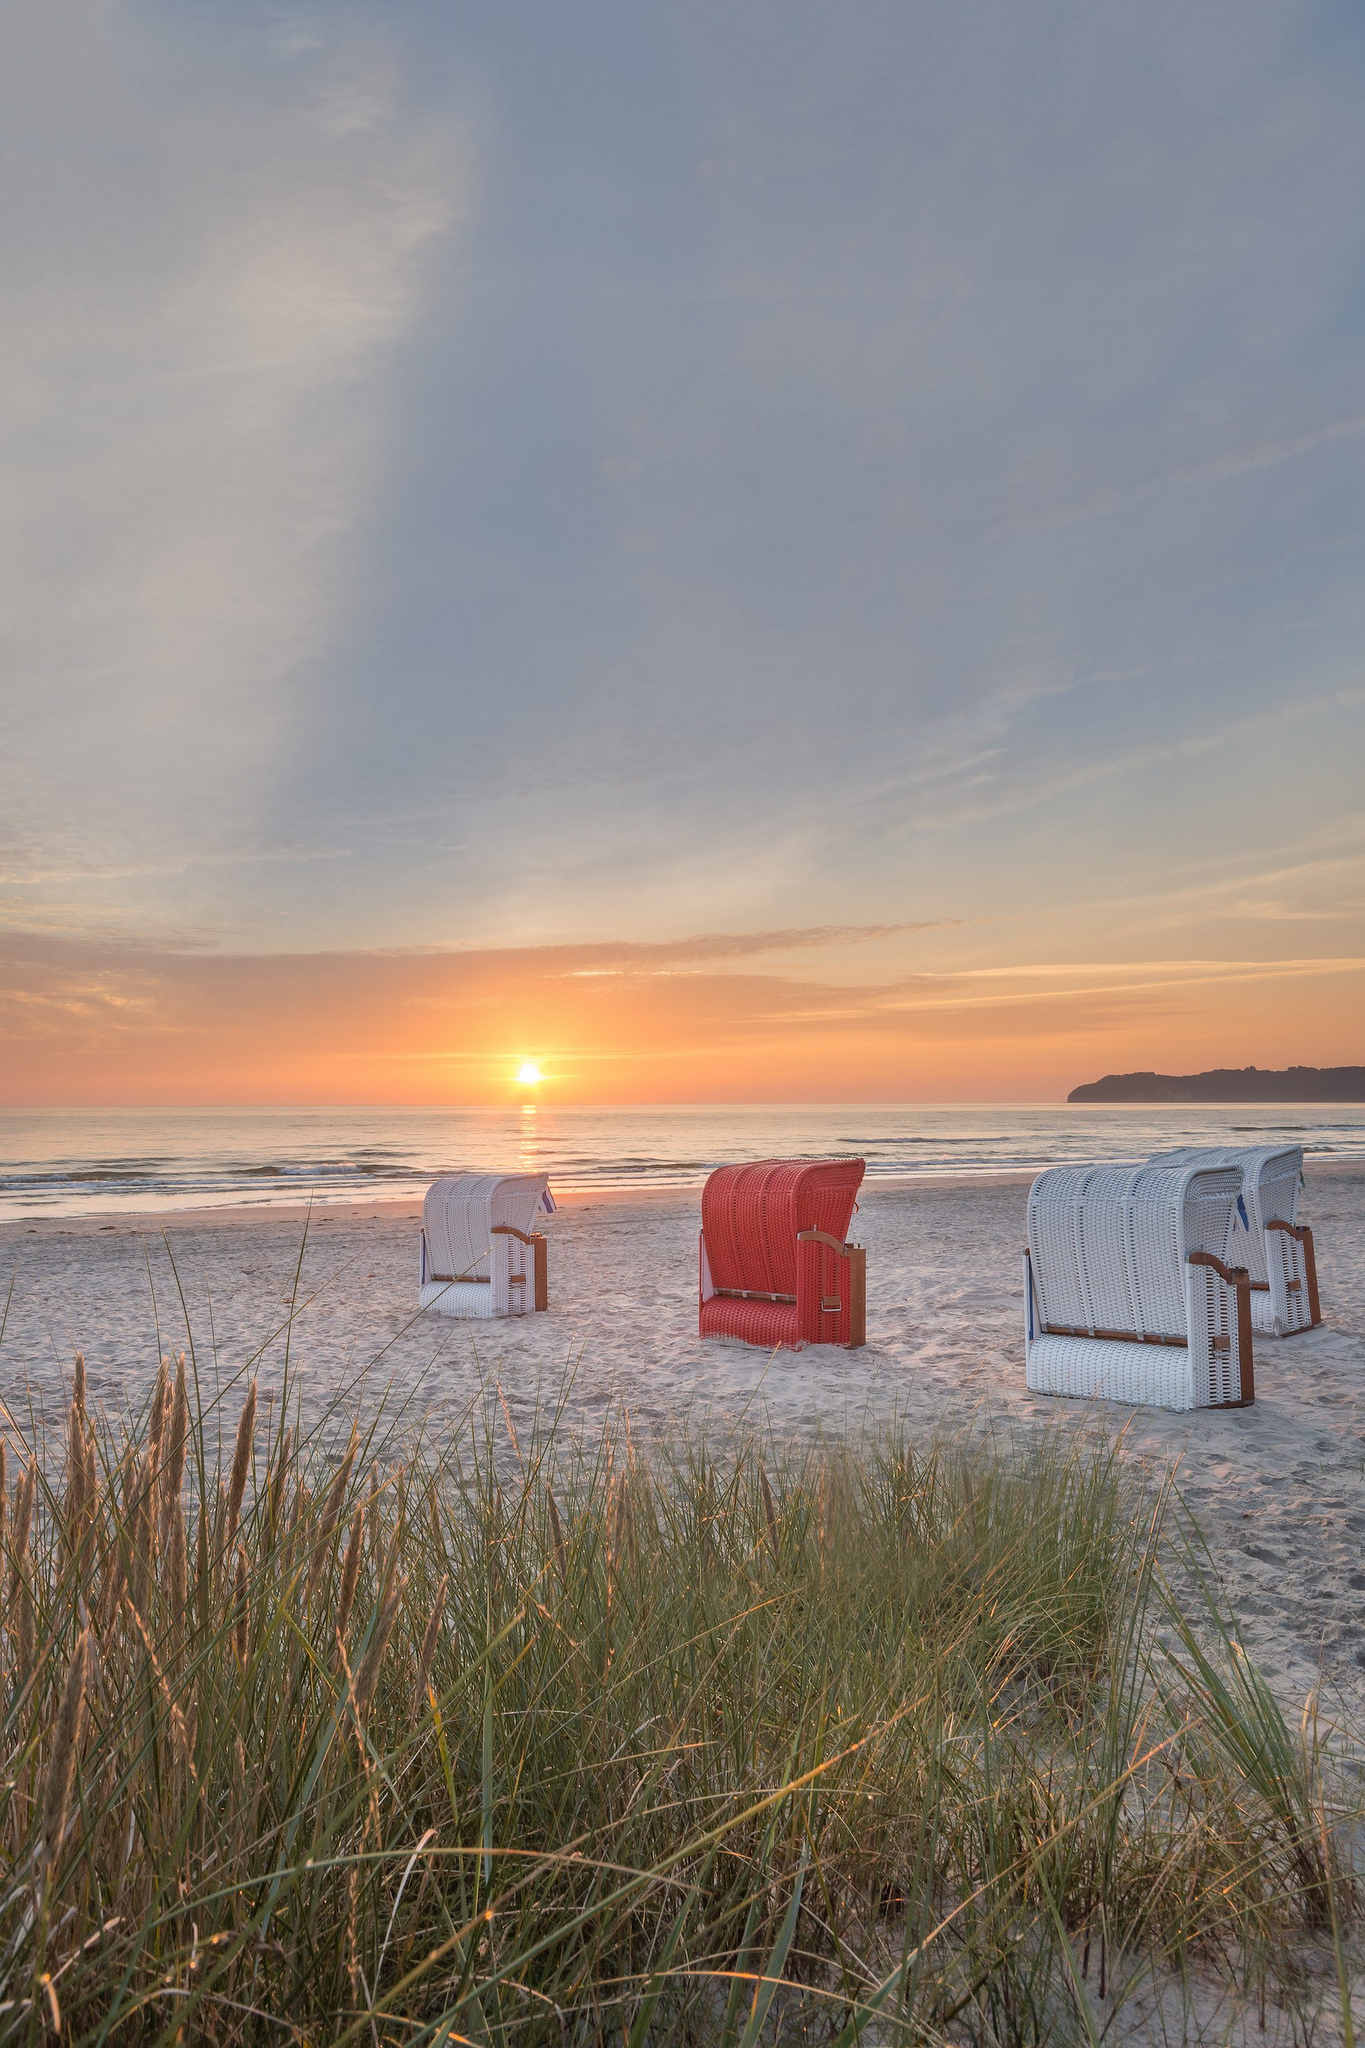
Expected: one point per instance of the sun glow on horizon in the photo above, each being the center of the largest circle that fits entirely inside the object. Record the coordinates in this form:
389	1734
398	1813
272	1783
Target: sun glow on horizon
528	1074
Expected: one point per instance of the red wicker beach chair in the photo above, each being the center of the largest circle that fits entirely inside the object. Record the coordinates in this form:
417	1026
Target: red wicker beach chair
775	1269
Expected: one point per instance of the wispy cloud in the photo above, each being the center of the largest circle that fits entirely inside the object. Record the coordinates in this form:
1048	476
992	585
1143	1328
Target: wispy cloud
223	237
1240	456
668	956
128	1023
991	786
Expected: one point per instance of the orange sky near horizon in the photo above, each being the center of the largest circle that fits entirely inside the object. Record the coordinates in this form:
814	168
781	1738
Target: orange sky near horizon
802	568
641	1024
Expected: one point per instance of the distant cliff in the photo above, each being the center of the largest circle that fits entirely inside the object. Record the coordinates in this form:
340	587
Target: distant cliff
1230	1084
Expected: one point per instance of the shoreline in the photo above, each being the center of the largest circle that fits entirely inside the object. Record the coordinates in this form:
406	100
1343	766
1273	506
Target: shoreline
395	1208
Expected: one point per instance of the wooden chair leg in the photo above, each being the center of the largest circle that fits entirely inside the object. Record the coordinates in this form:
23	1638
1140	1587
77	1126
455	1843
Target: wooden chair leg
1246	1364
857	1293
1310	1267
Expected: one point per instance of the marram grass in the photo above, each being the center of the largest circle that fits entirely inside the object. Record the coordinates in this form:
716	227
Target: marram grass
504	1743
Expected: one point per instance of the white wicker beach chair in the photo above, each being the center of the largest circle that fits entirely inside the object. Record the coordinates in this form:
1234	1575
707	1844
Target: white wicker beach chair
1270	1242
1127	1289
480	1257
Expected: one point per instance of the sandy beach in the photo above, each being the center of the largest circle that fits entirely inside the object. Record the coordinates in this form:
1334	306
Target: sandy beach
1279	1489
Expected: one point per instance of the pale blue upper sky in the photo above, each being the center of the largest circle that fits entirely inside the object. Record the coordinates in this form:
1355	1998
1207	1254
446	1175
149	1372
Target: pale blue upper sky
492	473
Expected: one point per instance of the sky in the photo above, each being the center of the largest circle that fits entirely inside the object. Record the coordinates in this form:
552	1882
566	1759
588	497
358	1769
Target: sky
741	551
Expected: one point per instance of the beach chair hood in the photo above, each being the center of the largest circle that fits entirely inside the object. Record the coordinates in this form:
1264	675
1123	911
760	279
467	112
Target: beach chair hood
751	1215
459	1212
1268	1239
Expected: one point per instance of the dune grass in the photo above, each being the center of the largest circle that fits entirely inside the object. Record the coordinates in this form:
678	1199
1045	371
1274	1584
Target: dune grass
517	1743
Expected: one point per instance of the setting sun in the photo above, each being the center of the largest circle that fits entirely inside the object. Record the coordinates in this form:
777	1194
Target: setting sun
528	1074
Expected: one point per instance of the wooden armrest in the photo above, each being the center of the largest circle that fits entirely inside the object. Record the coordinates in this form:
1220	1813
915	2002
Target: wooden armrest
1236	1276
1304	1236
535	1242
1110	1336
850	1304
752	1294
1239	1278
822	1237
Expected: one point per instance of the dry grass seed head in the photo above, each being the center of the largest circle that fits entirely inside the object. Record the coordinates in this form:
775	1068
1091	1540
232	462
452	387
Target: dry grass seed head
142	1534
177	1437
350	1568
92	1476
158	1416
23	1514
372	1511
177	1568
279	1480
336	1493
331	1514
352	1927
25	1633
367	1677
241	1465
429	1641
65	1742
112	1581
181	1742
73	1506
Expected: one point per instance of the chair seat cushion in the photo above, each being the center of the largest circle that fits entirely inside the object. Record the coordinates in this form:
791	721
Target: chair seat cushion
769	1323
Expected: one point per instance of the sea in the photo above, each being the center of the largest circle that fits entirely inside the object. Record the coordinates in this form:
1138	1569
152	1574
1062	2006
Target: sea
66	1162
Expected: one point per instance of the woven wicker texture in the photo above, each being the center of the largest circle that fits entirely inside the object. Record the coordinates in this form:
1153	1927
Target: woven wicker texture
468	1299
459	1212
769	1323
1285	1306
1147	1375
751	1216
461	1250
1109	1243
1271	1178
1109	1253
1212	1353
